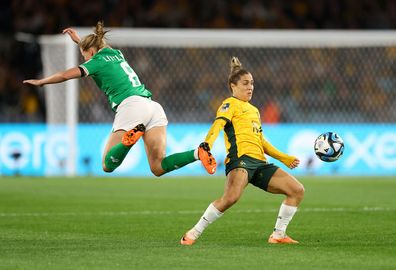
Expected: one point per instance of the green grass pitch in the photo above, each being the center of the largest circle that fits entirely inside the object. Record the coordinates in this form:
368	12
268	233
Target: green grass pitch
136	223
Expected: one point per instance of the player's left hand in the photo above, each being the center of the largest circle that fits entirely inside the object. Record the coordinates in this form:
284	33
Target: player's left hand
295	163
73	34
33	82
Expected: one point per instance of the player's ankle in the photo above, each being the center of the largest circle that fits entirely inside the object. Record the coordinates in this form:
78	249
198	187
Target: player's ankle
278	234
196	154
193	234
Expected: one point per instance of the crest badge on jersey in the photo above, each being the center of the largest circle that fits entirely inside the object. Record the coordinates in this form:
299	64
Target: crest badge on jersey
225	107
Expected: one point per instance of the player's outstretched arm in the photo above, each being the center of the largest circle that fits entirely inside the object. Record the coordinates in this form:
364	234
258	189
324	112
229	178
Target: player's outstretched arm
214	131
73	34
290	161
58	77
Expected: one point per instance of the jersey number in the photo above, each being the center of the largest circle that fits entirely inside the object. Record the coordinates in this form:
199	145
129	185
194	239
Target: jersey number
131	74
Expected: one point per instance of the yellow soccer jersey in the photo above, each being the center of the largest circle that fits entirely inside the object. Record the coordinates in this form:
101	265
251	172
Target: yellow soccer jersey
242	132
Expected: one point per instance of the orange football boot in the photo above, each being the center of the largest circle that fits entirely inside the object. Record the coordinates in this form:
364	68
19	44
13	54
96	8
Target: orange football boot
132	136
187	241
207	159
284	240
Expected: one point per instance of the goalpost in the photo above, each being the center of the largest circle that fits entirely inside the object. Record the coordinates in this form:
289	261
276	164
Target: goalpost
313	76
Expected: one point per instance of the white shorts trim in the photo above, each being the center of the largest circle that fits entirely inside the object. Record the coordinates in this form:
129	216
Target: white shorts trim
136	110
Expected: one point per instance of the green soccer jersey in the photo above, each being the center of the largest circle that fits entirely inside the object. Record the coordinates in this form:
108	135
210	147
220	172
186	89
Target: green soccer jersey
114	76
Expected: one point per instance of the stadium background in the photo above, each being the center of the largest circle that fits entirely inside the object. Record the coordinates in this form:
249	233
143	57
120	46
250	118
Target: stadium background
335	86
136	222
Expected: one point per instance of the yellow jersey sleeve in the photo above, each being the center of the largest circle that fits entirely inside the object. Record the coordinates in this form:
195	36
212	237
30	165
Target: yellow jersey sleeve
270	150
223	116
214	131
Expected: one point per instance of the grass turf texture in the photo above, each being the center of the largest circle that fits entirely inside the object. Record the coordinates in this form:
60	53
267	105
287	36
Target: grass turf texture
114	223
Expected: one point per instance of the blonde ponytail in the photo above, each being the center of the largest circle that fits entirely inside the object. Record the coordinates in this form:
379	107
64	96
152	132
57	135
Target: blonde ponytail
236	71
235	64
96	40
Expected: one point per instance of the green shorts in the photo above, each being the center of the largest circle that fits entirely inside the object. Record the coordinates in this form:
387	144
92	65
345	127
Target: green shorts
259	172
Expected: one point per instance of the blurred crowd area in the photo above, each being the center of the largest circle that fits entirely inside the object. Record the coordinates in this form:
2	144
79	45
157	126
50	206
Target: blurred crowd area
292	85
20	54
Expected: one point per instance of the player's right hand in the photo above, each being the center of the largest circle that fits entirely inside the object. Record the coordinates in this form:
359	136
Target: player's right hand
72	33
33	82
295	163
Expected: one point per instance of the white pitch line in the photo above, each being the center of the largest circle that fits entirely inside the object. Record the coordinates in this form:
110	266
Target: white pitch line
192	212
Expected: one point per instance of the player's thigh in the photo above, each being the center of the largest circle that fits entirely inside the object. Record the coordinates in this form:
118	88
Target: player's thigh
155	144
132	111
282	182
237	180
114	138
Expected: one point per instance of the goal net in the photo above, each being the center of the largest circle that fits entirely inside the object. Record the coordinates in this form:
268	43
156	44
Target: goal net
300	76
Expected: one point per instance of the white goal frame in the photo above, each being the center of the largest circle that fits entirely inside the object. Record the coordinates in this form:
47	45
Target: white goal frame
176	38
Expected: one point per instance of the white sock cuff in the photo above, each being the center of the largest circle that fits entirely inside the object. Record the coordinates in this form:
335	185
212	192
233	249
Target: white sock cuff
196	154
288	209
215	210
286	213
211	214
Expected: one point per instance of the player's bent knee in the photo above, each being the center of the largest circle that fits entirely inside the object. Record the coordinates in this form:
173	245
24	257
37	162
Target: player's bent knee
299	191
106	169
156	167
157	172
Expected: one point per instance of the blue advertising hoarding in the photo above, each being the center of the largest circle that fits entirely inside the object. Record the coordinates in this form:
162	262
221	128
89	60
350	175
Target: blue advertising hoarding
36	149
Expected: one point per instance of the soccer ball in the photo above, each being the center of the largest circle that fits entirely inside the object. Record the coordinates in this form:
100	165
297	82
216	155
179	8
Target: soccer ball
329	146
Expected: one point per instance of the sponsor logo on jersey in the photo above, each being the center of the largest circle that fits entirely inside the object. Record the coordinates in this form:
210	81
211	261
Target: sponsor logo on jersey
225	107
